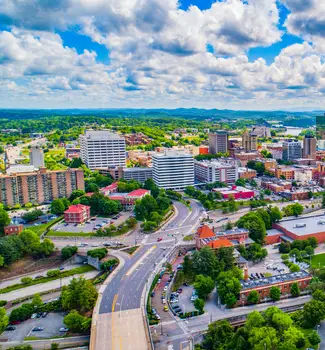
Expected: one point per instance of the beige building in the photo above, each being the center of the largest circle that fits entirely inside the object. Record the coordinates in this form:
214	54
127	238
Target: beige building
39	186
249	141
309	147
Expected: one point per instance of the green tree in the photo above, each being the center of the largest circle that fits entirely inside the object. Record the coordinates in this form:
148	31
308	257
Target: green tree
68	252
79	295
255	225
203	285
204	262
4	220
253	297
37	301
263	338
294	268
199	305
57	207
76	322
254	320
4	320
54	346
2	261
275	293
293	336
314	338
295	290
218	335
313	312
30	240
32	215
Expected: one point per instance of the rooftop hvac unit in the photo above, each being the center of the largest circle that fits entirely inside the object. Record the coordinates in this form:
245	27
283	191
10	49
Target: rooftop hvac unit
300	225
321	222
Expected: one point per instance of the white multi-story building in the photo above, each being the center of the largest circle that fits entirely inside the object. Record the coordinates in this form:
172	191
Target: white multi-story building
102	148
173	169
36	157
211	171
218	142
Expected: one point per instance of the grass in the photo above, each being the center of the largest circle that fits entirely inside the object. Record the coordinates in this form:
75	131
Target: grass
32	338
131	250
69	234
43	228
63	274
188	238
318	260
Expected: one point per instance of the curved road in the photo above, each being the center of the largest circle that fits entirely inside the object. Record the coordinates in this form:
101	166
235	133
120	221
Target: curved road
120	324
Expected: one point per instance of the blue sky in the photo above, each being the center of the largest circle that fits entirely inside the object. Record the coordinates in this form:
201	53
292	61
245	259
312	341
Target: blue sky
172	53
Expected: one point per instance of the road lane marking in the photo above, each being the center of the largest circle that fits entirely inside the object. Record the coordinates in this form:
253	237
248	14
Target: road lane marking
139	262
114	302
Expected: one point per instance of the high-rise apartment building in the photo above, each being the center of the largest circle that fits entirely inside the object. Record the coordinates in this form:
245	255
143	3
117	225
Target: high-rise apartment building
102	148
173	169
39	186
212	171
218	142
320	132
36	157
291	150
309	148
249	141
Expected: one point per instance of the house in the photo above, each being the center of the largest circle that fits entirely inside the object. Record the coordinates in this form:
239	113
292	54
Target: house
112	188
13	229
77	214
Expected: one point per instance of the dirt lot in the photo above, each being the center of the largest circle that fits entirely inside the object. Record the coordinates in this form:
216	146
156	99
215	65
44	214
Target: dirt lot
28	265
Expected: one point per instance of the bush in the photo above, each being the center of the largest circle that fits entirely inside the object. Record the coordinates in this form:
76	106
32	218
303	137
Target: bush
76	322
53	273
32	215
26	280
3	303
253	297
99	253
294	268
314	338
108	265
68	252
284	256
22	313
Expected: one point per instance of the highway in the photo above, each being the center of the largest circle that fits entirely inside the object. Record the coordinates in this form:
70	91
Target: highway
120	321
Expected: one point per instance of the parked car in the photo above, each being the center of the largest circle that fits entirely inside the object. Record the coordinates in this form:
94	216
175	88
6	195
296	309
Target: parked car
44	314
37	329
152	294
63	329
159	239
166	308
33	316
179	290
10	328
165	288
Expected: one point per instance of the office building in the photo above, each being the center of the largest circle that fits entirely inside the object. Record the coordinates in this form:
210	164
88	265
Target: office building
320	132
218	142
136	173
36	157
173	169
291	150
210	171
249	141
40	186
102	148
309	148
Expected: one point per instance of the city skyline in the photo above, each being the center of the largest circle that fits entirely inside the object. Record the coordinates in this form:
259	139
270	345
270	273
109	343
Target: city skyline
257	54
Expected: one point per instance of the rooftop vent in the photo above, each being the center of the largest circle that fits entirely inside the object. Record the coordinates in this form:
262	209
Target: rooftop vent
299	225
321	222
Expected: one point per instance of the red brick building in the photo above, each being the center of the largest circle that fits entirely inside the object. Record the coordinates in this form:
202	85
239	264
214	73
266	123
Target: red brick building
237	192
128	199
263	285
77	214
13	229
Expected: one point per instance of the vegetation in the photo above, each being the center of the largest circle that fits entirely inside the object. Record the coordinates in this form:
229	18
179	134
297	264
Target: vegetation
100	205
99	253
121	229
58	206
68	252
77	323
4	219
4	319
295	209
254	252
32	215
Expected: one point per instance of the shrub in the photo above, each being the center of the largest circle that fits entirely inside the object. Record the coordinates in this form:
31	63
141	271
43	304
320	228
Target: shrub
294	268
99	253
26	280
53	273
3	303
314	338
68	252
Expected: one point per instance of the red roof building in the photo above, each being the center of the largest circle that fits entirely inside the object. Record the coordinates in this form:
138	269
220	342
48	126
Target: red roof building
106	191
237	192
77	214
220	243
128	199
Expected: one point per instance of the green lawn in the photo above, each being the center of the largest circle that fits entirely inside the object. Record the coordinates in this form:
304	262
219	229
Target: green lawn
318	260
52	233
42	228
72	272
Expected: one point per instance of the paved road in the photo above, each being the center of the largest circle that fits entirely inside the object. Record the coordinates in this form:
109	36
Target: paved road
120	310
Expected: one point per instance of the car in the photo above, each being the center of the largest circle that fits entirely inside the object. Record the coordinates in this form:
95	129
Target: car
152	294
33	316
159	280
61	268
93	219
39	314
179	290
44	314
157	317
166	308
179	267
163	301
153	310
159	239
10	328
165	288
175	307
174	301
38	329
66	224
63	329
185	284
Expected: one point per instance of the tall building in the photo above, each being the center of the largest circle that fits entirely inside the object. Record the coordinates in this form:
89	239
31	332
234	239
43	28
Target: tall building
102	148
212	171
173	170
291	150
40	186
218	142
249	141
309	149
320	132
36	157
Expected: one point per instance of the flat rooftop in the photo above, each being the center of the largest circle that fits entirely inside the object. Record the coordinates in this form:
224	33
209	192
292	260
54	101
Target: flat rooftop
293	276
304	225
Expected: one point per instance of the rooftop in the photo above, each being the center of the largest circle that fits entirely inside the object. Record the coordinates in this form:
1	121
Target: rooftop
293	276
304	225
77	208
138	193
172	154
205	232
101	134
220	243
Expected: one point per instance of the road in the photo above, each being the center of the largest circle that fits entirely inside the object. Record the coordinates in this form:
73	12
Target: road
120	309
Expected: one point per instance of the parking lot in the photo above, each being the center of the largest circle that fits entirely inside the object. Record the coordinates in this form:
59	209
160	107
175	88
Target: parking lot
51	325
93	224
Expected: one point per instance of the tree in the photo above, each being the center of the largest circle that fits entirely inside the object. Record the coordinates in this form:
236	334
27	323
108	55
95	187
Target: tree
203	285
240	182
79	295
30	240
204	262
219	333
54	346
314	338
255	225
293	336
75	163
99	253
57	207
37	301
4	320
254	320
26	280
4	220
263	338
294	290
199	305
2	261
313	312
150	185
294	268
253	297
76	322
275	293
32	215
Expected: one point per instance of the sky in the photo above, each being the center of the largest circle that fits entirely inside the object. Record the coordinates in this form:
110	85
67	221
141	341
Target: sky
226	54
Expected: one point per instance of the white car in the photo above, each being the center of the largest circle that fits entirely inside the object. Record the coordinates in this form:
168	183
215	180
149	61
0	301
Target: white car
163	301
194	297
33	316
165	288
